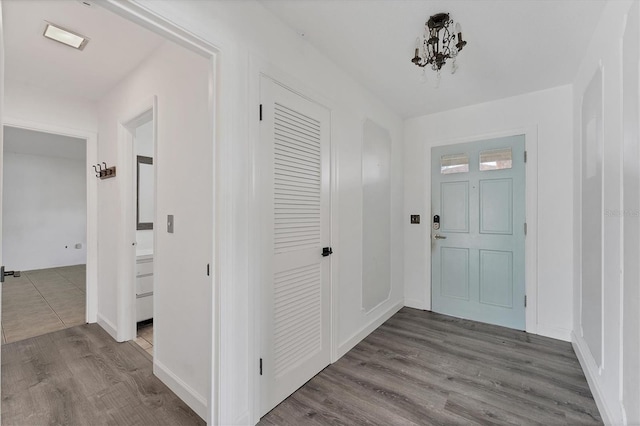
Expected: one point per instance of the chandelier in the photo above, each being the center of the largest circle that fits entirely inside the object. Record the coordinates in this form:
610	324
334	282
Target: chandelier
438	43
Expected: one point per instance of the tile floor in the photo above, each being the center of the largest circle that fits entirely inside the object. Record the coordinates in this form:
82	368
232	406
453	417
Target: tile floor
144	337
42	301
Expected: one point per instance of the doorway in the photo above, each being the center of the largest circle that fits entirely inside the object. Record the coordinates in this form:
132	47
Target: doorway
184	261
142	135
478	231
44	232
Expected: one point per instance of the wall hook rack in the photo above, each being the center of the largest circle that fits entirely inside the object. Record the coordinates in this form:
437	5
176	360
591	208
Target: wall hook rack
104	172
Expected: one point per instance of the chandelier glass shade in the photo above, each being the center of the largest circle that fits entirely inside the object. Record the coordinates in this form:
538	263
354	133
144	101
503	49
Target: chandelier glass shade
439	42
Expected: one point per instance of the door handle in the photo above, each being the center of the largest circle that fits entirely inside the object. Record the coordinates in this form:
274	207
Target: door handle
439	237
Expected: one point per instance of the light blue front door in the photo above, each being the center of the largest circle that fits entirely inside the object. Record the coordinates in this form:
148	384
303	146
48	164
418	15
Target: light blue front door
477	264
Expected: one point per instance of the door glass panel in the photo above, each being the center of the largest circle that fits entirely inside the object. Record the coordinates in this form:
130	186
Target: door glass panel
496	159
454	163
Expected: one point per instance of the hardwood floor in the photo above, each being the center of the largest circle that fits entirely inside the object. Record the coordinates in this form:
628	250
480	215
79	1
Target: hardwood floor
81	376
418	368
421	368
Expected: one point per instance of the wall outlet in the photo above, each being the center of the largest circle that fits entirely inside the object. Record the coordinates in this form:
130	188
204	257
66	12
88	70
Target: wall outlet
415	218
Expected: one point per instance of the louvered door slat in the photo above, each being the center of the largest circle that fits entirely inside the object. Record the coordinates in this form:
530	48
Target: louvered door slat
297	172
283	230
296	240
311	122
297	175
288	125
308	169
300	284
295	132
293	306
298	338
292	116
295	312
297	200
289	236
287	138
298	221
303	195
290	147
293	186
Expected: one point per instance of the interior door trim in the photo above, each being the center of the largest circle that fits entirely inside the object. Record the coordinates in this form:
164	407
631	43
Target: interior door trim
92	201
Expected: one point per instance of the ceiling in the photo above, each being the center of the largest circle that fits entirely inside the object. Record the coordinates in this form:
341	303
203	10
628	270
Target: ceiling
31	142
116	47
514	46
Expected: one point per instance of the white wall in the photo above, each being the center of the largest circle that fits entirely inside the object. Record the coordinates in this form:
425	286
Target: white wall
549	112
33	106
179	79
44	211
615	382
249	36
40	106
37	109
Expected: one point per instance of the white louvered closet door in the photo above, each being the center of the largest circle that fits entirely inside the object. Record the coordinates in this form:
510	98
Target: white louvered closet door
294	159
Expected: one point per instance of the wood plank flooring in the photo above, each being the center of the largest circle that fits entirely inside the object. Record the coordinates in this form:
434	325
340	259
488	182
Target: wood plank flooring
42	301
81	376
422	368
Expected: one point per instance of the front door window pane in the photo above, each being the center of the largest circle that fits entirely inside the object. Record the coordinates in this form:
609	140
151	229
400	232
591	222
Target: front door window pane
454	163
496	159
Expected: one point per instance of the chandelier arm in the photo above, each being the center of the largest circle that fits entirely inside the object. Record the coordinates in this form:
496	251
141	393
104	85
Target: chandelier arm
438	42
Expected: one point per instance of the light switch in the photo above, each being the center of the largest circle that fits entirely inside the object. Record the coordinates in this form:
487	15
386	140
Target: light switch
170	224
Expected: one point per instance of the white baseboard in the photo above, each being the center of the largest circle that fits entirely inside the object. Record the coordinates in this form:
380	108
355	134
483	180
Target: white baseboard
356	338
108	327
590	370
193	399
415	304
553	332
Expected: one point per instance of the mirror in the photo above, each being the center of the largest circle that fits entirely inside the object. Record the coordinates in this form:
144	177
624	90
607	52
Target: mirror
144	210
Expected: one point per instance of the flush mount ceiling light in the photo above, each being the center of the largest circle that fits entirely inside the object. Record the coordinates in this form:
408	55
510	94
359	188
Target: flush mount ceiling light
64	36
438	43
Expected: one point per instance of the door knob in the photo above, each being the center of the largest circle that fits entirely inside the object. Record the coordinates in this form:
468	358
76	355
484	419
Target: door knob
439	237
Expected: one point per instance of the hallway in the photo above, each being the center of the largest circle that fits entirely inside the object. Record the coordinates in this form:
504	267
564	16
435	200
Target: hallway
81	376
424	368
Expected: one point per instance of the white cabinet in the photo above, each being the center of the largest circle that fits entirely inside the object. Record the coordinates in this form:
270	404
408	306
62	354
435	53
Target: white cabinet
144	287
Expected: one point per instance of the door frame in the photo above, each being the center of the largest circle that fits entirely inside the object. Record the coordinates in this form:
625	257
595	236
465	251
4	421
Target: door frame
91	151
126	290
221	171
259	68
531	208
